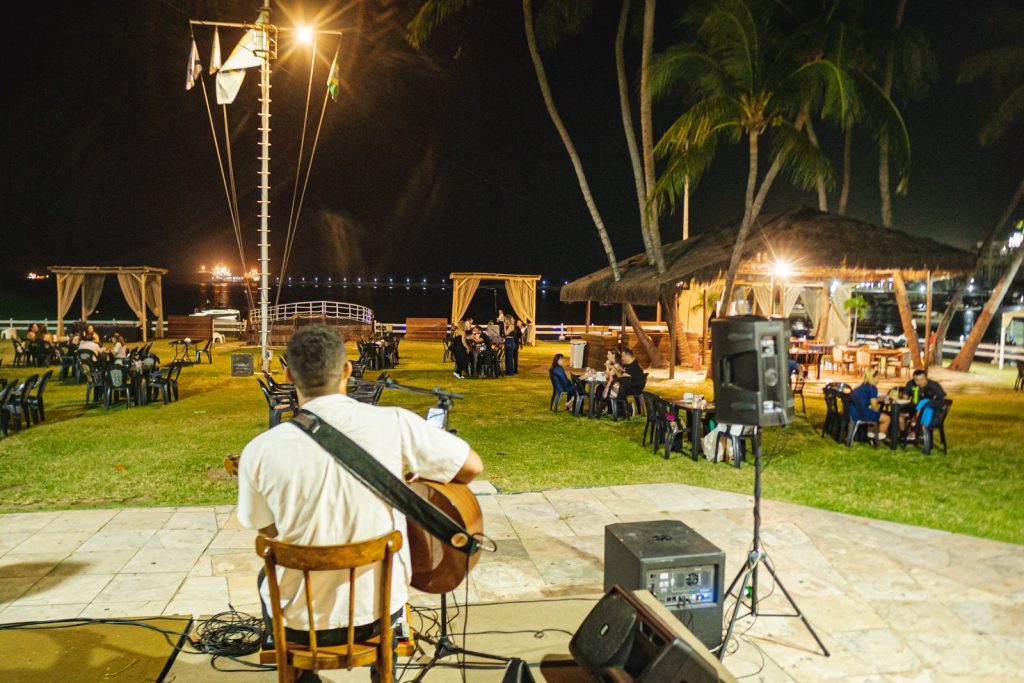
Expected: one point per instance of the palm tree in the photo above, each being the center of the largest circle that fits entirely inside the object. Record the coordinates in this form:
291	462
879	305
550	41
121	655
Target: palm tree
747	86
856	305
1003	68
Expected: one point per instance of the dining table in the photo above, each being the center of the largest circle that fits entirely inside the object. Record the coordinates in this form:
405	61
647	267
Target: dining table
696	414
183	350
593	382
895	408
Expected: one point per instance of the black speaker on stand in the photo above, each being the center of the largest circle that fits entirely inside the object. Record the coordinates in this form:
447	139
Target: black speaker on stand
751	357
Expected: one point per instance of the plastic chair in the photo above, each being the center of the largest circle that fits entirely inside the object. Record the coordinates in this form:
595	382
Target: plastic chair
855	423
5	415
17	404
798	388
277	404
940	410
378	650
116	387
205	351
582	396
556	393
1018	385
651	413
35	401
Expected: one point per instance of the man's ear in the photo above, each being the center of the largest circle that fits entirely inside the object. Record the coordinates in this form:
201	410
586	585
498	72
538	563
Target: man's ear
346	371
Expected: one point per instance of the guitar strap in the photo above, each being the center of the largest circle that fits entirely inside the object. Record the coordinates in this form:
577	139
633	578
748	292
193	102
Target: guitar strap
384	484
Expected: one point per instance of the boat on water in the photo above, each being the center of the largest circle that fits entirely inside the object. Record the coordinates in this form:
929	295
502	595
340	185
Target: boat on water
232	314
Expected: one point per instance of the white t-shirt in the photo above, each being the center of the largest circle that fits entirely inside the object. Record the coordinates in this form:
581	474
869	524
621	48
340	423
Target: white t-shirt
286	479
89	345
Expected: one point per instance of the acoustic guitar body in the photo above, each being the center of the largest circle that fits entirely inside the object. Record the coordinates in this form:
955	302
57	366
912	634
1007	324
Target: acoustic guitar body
437	567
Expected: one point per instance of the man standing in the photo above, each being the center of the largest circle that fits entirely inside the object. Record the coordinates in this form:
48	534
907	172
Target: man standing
293	490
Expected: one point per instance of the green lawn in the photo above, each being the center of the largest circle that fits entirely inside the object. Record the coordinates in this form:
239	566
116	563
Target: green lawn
172	455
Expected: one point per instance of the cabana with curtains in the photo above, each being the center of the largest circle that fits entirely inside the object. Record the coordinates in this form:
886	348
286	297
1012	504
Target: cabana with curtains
142	287
521	290
798	255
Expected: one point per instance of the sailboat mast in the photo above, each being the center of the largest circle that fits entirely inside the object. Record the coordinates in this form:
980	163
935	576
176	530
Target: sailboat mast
264	187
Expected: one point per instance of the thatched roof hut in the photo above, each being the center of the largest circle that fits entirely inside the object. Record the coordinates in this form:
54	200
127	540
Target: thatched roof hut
815	247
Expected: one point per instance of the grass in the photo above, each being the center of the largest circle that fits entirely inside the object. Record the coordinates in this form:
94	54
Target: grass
172	455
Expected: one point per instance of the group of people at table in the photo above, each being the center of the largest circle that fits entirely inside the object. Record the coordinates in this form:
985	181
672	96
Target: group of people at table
918	395
43	348
623	376
474	347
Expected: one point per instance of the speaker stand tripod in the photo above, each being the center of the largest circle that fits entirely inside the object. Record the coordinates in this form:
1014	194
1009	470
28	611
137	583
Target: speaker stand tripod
445	647
747	575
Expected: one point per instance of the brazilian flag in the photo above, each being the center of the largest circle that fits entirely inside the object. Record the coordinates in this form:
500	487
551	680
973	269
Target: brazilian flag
333	84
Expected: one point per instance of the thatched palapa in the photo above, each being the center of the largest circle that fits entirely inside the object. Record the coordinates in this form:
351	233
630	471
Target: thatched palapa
815	245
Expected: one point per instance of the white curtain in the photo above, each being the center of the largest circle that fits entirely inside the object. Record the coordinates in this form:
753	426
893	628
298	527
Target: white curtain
92	289
812	304
523	298
790	294
67	288
839	319
154	296
132	290
461	297
763	298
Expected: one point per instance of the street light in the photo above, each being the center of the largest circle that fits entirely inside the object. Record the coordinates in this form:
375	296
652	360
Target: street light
304	34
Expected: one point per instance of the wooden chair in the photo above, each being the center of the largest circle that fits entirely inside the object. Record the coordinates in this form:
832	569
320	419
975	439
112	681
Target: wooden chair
378	650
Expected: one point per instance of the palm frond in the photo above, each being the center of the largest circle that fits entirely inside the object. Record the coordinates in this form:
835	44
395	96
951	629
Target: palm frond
824	85
431	15
685	66
1009	112
557	19
732	33
803	161
998	65
686	163
916	68
707	118
886	123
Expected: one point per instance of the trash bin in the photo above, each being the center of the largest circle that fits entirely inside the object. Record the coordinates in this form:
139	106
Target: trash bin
577	353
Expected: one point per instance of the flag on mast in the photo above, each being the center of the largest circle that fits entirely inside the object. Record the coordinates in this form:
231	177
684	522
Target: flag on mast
194	67
215	55
333	83
249	53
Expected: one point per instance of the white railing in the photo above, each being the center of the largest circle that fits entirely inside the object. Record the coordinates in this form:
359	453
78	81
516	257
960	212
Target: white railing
314	309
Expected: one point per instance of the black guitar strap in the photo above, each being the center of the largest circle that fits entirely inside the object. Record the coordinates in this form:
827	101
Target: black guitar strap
384	484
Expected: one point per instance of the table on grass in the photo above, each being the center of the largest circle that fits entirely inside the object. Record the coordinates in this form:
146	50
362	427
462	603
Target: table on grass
592	384
695	416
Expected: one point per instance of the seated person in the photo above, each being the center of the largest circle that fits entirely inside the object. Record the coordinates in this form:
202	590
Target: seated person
90	344
921	391
118	350
560	379
292	490
633	374
865	405
493	332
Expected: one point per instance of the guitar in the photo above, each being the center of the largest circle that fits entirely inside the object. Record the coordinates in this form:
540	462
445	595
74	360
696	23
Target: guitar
437	568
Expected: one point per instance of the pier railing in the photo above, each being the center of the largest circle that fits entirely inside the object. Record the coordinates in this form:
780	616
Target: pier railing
337	310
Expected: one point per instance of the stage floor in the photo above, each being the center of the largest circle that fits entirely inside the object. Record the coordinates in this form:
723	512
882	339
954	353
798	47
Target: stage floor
892	602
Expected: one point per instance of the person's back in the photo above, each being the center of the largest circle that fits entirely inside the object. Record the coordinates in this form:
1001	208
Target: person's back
293	490
860	400
634	370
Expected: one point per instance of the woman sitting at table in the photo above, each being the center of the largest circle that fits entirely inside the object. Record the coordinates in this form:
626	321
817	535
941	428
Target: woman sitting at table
118	350
865	404
560	380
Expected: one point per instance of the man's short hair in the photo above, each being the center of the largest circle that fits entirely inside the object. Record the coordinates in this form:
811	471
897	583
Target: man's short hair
918	373
629	351
316	358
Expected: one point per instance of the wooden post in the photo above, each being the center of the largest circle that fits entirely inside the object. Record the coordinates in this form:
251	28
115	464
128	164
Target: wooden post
60	292
160	312
928	346
622	328
455	298
587	328
142	313
657	313
704	332
672	336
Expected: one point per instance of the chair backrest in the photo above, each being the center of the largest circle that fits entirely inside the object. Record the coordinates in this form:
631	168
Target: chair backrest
266	392
206	346
350	557
799	380
643	385
863	358
941	408
42	383
1020	368
6	393
26	387
117	377
837	354
650	405
86	355
905	359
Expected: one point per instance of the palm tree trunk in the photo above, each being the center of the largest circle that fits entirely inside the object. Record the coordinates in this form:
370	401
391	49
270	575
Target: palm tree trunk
643	338
741	236
820	182
686	208
947	318
963	360
563	133
844	193
883	147
965	356
899	286
647	134
630	130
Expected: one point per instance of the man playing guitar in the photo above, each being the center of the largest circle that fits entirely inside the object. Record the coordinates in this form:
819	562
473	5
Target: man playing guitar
291	489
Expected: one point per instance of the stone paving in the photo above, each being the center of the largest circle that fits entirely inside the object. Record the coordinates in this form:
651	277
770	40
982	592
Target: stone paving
892	602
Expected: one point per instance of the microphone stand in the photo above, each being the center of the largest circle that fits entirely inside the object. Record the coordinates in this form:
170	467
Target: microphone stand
444	646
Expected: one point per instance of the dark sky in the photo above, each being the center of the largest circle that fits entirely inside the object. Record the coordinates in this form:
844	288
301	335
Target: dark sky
430	162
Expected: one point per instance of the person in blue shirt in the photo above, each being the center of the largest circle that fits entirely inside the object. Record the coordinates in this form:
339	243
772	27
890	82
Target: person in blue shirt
560	379
865	404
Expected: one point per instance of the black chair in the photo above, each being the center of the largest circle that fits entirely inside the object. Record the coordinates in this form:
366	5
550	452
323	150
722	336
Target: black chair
357	369
854	423
35	401
281	387
447	341
582	401
5	415
164	382
17	404
116	387
940	410
490	365
1018	385
20	354
799	380
651	413
556	393
205	351
277	404
671	428
637	394
739	443
90	373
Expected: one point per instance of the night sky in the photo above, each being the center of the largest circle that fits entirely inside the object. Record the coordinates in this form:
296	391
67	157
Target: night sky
430	161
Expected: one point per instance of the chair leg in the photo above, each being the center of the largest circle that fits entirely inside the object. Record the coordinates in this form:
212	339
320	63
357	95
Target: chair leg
926	434
942	435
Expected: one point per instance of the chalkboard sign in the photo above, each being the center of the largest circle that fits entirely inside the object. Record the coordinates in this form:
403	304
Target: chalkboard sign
242	364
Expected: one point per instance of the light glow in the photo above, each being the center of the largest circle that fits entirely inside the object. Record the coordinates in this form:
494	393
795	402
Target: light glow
782	269
304	34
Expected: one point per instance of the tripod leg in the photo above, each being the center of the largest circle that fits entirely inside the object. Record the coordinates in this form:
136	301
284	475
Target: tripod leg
798	611
735	611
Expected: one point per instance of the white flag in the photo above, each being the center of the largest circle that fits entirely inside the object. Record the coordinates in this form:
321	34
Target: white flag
215	55
249	52
194	67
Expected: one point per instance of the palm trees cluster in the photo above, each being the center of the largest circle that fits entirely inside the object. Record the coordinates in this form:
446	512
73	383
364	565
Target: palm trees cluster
763	73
